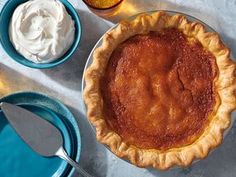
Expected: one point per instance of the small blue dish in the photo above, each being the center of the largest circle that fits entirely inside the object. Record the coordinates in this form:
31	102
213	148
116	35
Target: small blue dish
5	17
19	159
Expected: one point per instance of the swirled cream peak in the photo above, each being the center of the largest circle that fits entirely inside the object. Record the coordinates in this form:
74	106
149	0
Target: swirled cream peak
41	30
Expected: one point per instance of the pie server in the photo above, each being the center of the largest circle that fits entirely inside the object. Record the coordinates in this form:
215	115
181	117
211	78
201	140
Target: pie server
39	134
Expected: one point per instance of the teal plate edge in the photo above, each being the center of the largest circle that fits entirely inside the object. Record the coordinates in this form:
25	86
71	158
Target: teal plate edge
56	106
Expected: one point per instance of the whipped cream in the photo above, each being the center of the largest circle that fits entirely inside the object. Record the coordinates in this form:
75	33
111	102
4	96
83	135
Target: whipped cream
41	30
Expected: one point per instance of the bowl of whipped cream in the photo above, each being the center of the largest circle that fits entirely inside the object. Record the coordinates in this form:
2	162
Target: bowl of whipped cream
39	33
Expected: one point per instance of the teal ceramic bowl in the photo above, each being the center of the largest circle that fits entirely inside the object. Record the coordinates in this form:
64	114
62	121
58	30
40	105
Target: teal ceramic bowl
5	17
19	159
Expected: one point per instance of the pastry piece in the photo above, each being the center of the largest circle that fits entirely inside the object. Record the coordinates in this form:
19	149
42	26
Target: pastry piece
160	90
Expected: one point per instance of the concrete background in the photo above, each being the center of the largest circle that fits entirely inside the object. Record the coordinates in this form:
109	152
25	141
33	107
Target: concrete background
64	83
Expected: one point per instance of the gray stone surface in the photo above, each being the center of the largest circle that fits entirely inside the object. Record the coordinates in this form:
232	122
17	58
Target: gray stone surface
64	83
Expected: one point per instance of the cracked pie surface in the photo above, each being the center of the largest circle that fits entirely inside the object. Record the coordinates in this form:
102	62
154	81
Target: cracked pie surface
160	90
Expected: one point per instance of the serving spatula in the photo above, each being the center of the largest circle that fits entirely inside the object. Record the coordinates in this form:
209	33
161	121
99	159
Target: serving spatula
39	134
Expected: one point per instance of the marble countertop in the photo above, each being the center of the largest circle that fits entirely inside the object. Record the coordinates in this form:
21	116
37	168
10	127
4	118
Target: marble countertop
64	83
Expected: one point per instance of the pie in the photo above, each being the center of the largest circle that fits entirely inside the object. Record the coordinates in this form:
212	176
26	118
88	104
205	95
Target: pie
160	90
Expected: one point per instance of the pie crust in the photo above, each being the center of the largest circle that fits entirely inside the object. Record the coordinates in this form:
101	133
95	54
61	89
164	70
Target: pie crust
224	84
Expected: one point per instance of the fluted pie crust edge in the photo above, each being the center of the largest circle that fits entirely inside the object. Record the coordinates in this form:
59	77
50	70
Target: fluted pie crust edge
224	84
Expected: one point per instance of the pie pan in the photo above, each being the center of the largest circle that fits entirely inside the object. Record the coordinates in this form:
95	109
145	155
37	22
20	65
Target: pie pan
92	112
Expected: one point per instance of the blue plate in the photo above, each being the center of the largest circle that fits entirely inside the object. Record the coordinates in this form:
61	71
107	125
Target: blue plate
20	160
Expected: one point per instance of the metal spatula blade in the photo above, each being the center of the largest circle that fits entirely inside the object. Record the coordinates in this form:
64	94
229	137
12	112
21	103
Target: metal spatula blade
39	134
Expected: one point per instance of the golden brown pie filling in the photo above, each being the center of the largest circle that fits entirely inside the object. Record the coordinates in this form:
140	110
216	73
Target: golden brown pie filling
158	90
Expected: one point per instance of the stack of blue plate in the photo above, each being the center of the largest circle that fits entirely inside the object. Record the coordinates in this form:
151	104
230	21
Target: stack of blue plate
17	159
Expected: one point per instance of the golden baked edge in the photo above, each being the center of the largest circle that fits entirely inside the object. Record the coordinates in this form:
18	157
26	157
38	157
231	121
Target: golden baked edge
224	83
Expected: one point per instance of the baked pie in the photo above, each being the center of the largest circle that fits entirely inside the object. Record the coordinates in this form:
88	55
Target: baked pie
160	90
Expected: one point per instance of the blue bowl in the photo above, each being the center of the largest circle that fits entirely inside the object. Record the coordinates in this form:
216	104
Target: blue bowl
5	17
